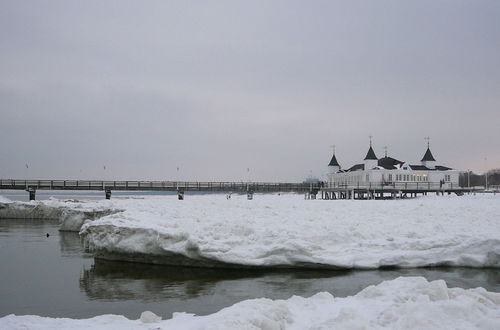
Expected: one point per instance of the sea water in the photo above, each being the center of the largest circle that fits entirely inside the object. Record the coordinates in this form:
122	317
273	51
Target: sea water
54	276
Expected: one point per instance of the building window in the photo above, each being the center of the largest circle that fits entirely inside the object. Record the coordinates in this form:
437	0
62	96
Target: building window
367	178
390	177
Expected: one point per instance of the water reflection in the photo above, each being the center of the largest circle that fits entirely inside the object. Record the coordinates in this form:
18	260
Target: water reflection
107	280
71	245
37	269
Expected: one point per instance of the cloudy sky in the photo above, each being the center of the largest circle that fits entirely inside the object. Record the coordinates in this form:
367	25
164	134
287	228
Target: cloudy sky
244	90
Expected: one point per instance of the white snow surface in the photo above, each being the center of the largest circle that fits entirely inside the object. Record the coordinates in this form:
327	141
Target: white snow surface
403	303
288	231
71	213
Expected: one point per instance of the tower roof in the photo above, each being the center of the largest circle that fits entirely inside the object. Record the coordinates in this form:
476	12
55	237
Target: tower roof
333	161
428	156
370	154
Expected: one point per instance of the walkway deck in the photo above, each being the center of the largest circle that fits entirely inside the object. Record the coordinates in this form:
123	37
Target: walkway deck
356	191
157	185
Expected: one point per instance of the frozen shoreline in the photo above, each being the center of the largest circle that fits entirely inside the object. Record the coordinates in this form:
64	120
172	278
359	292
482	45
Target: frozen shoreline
71	214
403	303
288	232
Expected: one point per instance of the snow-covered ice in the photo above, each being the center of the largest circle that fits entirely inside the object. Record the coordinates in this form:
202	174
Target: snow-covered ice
403	303
288	231
71	213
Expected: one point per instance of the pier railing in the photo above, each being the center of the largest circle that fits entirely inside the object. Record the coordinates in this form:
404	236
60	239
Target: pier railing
157	185
399	186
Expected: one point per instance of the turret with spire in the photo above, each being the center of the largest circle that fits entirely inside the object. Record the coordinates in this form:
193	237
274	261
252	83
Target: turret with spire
370	160
428	160
333	166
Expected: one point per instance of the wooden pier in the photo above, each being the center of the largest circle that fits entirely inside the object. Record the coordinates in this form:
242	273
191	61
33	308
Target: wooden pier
180	187
311	190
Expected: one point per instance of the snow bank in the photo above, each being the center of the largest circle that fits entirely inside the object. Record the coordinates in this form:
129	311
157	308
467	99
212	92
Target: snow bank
71	213
403	303
288	231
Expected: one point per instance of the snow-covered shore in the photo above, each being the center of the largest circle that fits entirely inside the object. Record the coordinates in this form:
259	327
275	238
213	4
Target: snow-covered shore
70	213
403	303
288	231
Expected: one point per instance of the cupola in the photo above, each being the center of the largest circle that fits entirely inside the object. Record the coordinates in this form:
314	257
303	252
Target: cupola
428	160
370	160
333	166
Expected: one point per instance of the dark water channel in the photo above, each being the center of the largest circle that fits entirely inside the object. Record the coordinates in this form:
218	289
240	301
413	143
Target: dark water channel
54	276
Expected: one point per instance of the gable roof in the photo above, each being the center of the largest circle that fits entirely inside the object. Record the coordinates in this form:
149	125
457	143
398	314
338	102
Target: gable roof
357	167
370	154
389	163
333	161
428	156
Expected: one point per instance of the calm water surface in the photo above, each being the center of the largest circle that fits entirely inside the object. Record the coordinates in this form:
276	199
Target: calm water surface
54	276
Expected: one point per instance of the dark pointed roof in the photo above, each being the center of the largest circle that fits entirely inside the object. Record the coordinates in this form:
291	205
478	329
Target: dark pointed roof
428	156
333	161
370	154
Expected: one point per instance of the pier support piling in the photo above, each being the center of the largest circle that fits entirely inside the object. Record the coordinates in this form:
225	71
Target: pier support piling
180	195
32	192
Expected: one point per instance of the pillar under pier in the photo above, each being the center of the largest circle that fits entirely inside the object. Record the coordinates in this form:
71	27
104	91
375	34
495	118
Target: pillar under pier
32	192
180	195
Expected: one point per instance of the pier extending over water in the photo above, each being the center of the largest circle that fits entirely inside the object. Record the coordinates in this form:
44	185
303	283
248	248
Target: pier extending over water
311	190
180	187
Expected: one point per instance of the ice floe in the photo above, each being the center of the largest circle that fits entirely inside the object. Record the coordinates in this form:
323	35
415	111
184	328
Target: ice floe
70	213
403	303
287	231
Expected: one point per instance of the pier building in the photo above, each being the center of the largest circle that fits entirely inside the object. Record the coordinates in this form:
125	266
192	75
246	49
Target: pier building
388	171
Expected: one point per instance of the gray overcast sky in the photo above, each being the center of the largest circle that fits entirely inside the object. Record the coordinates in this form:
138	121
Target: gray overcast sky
214	88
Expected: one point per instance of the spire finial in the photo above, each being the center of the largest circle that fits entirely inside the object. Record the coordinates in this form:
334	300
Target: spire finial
370	136
428	141
333	148
385	148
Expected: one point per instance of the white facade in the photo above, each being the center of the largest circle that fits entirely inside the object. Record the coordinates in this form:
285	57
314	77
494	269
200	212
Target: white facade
388	171
387	177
